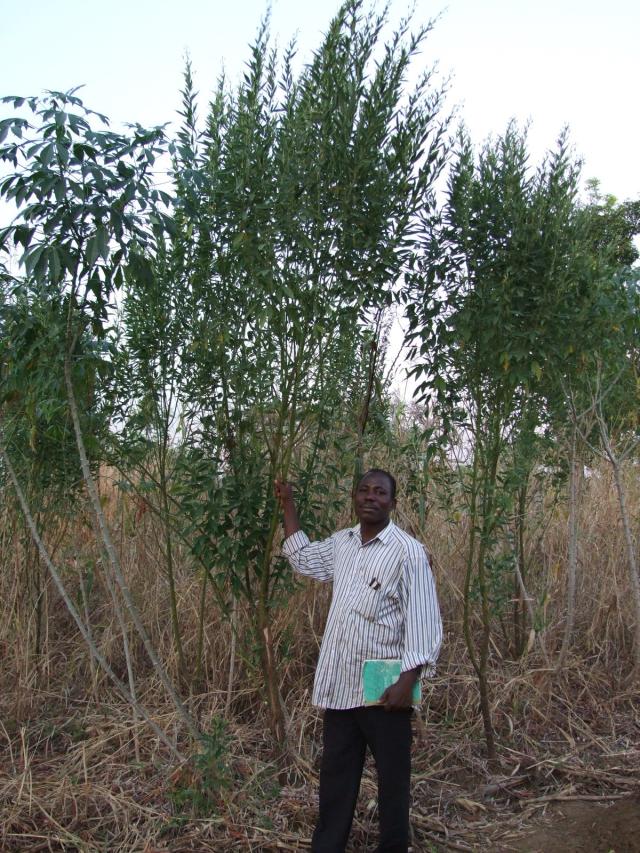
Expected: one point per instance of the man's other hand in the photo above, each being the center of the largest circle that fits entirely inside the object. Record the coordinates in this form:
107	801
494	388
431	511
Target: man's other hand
398	696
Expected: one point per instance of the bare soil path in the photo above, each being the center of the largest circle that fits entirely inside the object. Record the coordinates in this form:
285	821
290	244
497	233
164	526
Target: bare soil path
583	827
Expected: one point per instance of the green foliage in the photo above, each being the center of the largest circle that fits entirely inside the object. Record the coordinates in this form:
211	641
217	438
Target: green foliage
79	193
490	308
606	320
200	786
499	569
80	196
488	294
612	226
36	424
295	210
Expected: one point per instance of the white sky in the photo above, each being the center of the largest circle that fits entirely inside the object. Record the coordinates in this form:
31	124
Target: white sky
553	62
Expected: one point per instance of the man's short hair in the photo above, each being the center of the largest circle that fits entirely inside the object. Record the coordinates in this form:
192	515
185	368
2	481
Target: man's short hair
390	478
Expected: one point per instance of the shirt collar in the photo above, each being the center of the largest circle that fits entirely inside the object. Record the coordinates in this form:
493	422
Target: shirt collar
384	534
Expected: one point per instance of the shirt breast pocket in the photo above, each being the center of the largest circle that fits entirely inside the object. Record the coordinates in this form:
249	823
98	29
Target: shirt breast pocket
374	601
366	601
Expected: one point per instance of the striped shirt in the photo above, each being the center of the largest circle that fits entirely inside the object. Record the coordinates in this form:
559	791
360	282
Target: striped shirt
384	606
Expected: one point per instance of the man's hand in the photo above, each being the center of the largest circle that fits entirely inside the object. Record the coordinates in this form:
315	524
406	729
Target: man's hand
398	696
284	494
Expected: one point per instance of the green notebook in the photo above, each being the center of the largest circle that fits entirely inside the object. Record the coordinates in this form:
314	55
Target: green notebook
377	675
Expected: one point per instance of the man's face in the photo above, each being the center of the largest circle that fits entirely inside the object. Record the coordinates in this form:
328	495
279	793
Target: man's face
372	501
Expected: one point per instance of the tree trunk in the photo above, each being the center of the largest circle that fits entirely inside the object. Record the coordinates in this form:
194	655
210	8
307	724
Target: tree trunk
521	604
479	658
277	712
201	616
173	603
232	654
574	475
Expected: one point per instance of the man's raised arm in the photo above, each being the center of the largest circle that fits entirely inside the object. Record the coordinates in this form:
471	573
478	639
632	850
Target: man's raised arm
314	559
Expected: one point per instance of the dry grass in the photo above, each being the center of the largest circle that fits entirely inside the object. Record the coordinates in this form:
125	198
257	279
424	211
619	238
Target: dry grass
78	771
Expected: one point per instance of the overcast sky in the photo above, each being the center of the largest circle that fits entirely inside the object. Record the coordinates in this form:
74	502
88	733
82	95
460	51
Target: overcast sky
550	62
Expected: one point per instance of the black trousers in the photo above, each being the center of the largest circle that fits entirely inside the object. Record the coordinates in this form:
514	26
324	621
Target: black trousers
346	736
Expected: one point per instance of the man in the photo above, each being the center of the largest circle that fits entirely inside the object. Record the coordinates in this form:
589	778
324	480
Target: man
384	606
